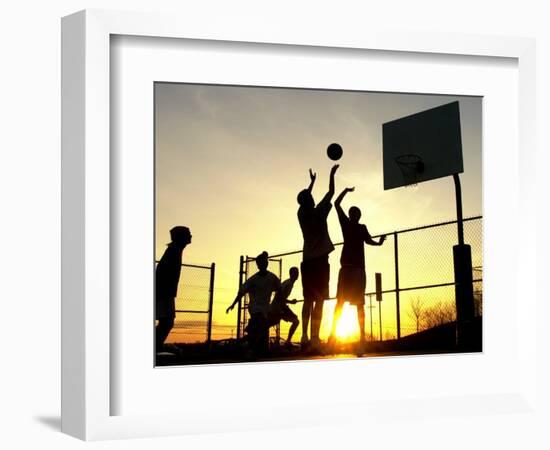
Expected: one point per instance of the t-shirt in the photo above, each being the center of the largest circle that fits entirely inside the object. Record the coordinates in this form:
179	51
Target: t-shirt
355	234
259	288
313	222
279	301
167	274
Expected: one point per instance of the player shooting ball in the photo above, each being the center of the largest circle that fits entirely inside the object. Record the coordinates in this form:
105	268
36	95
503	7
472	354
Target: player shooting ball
315	267
352	279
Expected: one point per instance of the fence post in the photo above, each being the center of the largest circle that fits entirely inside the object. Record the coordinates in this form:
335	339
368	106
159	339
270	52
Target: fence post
211	301
397	306
278	326
241	262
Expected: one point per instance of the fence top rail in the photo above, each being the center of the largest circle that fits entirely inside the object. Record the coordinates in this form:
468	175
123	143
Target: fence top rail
434	225
405	230
195	266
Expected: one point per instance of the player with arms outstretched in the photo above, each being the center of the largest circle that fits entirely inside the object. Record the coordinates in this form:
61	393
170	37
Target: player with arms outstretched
259	287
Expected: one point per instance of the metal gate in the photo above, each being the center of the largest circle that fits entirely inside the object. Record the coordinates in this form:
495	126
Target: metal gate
194	303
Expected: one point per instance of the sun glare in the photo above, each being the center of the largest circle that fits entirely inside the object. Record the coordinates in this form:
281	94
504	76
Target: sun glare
347	328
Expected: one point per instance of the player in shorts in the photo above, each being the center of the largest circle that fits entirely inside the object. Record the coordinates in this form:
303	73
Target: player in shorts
315	268
259	288
352	278
279	310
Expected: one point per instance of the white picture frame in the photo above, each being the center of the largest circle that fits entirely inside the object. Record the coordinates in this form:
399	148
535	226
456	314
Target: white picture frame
87	386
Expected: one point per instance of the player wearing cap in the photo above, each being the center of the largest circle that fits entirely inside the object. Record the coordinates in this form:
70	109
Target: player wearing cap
167	276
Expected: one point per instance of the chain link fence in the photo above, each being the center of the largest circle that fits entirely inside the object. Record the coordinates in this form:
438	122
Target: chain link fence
418	288
194	304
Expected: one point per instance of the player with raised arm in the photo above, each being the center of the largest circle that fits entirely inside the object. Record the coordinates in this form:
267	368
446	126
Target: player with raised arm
352	278
315	267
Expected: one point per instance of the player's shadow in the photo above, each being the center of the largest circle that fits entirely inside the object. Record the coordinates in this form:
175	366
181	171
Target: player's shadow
52	422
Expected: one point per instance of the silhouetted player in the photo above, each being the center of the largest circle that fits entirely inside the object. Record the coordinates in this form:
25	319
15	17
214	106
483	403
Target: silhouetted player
167	277
279	310
259	288
352	278
315	268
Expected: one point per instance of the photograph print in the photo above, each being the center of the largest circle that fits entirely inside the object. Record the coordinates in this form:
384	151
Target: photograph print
305	224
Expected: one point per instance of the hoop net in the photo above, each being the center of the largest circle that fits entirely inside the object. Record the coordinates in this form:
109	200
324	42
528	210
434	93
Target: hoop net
411	167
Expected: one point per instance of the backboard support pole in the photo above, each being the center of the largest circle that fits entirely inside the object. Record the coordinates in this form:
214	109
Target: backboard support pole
464	293
459	215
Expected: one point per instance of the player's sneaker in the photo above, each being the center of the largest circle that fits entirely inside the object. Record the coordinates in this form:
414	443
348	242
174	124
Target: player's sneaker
289	346
315	346
168	350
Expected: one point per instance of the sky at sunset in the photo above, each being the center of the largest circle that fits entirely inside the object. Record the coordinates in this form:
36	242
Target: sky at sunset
231	160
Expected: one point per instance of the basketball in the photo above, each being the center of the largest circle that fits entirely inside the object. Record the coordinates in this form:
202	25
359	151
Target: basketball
334	151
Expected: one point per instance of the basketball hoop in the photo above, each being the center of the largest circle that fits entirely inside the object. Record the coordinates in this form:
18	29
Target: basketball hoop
411	167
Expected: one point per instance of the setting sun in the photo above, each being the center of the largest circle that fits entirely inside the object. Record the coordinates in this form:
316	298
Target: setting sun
347	328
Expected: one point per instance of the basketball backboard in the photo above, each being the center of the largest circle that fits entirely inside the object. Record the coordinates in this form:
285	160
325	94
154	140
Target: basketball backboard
423	146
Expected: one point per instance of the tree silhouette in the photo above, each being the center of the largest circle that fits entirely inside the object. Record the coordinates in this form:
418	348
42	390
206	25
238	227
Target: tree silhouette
416	312
438	314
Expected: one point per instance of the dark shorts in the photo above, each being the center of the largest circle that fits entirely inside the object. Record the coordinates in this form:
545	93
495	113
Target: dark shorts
352	282
315	278
257	325
285	314
257	333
